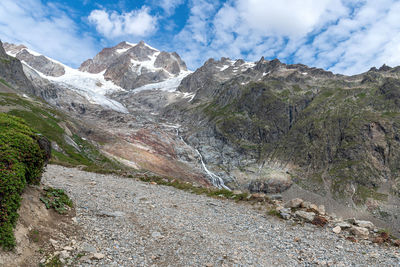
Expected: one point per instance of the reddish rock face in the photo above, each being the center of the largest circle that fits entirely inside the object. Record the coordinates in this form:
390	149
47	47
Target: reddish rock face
131	66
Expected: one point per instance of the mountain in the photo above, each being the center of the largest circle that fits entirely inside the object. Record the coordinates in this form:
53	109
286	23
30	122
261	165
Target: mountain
118	119
39	62
272	124
11	73
260	126
124	67
134	65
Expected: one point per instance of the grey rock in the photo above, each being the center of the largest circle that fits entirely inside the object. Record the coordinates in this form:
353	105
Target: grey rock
12	72
85	247
71	142
294	203
275	197
41	64
306	204
171	62
321	209
197	231
156	234
365	224
343	225
271	185
351	220
56	147
64	254
285	210
112	214
337	229
117	62
307	216
360	232
97	256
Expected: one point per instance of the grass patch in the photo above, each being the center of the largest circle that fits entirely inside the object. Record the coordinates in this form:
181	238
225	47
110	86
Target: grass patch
274	212
53	262
56	199
34	235
5	60
47	121
5	83
363	192
186	186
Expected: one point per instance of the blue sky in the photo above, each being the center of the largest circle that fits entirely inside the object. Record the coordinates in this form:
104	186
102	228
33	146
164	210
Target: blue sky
343	36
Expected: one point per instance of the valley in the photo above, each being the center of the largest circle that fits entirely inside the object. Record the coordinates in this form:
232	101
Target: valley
281	131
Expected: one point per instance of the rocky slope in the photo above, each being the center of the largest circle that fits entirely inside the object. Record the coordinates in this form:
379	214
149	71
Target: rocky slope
11	72
127	222
135	138
273	124
39	62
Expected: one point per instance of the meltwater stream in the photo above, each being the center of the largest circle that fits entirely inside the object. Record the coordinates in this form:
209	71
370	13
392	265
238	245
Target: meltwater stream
215	179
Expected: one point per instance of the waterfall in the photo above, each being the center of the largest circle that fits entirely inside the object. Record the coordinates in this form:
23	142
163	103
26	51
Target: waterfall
215	179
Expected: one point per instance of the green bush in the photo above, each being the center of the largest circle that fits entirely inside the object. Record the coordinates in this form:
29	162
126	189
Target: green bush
56	199
21	162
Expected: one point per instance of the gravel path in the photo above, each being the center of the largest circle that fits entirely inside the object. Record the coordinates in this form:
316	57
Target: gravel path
139	224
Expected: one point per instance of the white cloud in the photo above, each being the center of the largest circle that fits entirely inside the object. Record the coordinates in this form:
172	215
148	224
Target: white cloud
369	38
137	23
169	6
285	17
44	28
343	36
254	28
192	42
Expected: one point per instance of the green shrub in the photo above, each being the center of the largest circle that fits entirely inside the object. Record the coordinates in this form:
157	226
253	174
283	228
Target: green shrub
21	162
56	199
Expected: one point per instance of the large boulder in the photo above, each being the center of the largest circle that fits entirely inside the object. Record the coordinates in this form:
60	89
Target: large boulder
294	203
304	215
360	232
271	185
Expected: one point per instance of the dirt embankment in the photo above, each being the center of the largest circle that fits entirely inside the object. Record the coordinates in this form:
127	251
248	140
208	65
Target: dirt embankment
36	231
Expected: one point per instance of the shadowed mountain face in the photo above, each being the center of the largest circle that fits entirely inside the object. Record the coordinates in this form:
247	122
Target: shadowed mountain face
38	62
11	72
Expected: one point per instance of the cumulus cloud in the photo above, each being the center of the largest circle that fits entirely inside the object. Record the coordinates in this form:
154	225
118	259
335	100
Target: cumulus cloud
169	6
192	42
285	17
370	37
343	36
111	24
44	28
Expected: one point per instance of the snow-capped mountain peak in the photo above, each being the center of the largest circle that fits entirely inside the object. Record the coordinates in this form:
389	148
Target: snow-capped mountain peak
134	65
125	66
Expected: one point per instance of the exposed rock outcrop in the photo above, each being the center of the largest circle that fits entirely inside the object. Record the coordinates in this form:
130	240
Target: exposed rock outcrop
11	72
134	65
38	62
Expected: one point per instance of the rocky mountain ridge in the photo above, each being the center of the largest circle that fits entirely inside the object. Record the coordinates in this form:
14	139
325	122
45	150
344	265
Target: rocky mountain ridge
134	65
274	124
11	72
